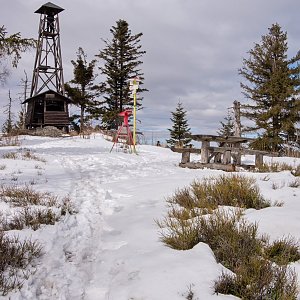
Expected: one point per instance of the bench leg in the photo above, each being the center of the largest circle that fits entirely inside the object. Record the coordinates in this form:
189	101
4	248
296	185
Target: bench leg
259	160
185	158
204	152
227	157
218	158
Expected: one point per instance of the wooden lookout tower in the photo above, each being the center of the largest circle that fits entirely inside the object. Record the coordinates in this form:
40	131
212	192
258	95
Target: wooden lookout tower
48	105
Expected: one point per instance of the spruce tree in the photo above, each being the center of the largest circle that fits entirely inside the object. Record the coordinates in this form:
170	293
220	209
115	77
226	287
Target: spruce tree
8	125
227	127
272	86
180	128
121	58
20	123
11	47
82	89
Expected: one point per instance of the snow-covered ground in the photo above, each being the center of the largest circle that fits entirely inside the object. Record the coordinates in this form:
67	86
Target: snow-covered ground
110	249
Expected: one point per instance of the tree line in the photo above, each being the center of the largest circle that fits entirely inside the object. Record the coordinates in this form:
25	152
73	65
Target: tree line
120	60
271	86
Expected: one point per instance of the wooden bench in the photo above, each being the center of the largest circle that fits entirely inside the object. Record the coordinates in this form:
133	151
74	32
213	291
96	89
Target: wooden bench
225	158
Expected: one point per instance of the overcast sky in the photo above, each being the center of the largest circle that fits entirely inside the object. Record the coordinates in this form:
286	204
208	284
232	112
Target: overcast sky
194	47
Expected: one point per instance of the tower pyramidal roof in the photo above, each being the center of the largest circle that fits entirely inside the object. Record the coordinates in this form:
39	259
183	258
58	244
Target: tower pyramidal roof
48	8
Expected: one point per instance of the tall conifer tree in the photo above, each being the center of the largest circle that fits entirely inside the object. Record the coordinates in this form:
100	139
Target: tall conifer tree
12	47
82	89
8	124
121	58
180	128
227	127
272	86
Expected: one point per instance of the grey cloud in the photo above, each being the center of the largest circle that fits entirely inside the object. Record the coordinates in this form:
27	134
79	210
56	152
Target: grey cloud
194	48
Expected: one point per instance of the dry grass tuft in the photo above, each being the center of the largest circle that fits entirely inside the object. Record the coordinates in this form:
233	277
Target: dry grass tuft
233	190
25	154
283	251
296	171
15	258
25	195
295	183
50	209
28	155
32	210
259	268
10	155
30	217
278	167
6	141
259	279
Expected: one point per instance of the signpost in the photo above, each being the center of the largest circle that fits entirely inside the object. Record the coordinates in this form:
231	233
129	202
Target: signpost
133	86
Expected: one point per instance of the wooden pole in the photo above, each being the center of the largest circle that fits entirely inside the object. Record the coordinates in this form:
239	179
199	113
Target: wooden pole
227	157
185	157
259	159
237	118
134	118
237	128
204	152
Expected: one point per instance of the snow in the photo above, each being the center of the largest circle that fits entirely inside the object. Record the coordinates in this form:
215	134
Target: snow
110	249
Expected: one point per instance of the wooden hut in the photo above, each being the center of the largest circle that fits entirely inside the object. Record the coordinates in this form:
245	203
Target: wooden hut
48	109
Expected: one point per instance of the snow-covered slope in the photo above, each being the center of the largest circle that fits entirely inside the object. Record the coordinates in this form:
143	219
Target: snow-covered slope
110	249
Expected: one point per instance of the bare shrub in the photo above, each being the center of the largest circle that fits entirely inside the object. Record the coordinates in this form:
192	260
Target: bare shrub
259	279
25	154
273	167
15	255
266	178
194	216
67	207
244	190
291	152
10	155
178	234
275	186
295	183
283	251
187	206
49	131
9	140
25	195
28	155
189	295
296	171
238	247
278	203
31	217
232	239
183	198
208	194
33	209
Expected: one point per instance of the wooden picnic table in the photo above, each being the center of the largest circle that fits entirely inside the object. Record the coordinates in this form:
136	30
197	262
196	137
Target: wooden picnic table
224	157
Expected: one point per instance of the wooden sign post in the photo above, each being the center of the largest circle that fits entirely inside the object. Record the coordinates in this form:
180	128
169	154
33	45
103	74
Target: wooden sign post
133	86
